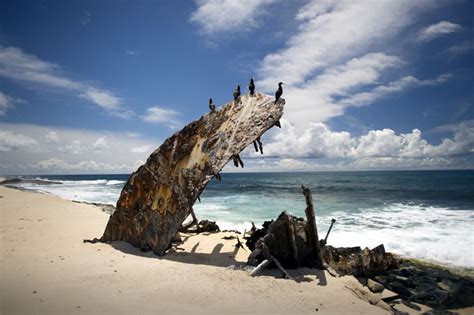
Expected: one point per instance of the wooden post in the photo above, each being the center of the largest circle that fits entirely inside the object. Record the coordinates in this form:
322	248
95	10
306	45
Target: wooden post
313	230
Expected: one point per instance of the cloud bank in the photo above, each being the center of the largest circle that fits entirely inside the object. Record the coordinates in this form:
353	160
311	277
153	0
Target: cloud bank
33	149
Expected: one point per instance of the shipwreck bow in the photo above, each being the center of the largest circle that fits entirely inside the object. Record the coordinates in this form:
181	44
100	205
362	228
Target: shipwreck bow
159	196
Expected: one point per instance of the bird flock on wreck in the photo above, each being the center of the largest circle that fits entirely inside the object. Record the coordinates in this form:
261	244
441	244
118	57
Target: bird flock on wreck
257	144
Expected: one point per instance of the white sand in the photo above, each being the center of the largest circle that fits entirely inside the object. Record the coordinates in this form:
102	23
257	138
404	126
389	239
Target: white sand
47	269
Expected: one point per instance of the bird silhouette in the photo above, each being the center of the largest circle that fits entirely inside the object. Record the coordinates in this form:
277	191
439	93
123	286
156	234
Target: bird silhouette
279	92
237	92
212	107
251	87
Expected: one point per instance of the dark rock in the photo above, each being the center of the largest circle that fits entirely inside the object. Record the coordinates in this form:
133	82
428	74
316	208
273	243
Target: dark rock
429	285
374	286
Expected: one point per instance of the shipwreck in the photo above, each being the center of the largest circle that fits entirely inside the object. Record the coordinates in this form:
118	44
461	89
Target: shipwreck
160	195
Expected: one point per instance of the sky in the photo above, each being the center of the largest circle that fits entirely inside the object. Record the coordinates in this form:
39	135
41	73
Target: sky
95	86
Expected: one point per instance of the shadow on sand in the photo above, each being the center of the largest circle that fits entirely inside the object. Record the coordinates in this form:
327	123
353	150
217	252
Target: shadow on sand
220	258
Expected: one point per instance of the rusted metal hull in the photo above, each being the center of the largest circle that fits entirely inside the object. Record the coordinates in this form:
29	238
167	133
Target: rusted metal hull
160	194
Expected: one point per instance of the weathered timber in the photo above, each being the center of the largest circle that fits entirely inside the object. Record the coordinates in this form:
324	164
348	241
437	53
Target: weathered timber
312	227
257	270
160	194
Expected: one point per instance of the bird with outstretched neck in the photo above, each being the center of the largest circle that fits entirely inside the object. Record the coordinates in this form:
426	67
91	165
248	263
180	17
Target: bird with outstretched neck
237	92
251	87
212	107
279	92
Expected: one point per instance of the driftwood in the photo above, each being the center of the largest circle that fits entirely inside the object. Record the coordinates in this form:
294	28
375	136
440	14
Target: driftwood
160	194
257	270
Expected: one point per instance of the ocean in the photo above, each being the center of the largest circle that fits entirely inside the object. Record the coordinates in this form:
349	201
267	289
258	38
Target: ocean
427	215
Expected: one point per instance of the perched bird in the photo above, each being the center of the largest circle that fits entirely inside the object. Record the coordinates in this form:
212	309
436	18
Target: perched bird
212	107
237	92
255	146
236	162
279	92
240	161
260	146
251	87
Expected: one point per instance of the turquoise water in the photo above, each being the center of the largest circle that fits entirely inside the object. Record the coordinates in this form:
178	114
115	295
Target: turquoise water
421	214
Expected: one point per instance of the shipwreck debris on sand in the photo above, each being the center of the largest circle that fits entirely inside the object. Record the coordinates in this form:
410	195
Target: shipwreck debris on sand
160	194
293	242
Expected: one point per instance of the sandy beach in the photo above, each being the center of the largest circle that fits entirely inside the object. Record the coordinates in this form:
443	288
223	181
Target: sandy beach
47	269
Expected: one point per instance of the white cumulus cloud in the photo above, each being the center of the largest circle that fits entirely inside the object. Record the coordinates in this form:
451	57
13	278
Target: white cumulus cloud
318	141
218	16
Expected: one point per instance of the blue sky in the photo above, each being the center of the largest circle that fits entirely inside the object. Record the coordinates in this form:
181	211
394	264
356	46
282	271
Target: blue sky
95	86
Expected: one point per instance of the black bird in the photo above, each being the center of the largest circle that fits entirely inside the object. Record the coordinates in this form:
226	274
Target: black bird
236	162
251	87
212	107
260	146
237	92
255	146
240	161
279	92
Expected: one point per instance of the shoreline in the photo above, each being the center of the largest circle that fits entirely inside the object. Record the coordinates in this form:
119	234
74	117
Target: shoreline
47	269
108	208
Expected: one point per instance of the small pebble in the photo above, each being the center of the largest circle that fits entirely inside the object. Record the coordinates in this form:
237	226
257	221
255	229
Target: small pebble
34	292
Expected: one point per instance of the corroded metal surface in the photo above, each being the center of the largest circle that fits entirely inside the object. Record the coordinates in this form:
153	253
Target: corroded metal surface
160	194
